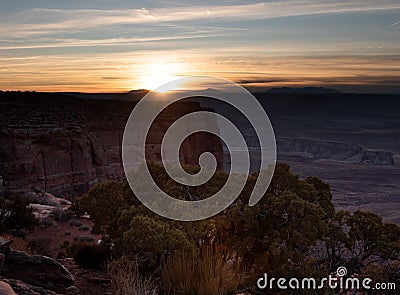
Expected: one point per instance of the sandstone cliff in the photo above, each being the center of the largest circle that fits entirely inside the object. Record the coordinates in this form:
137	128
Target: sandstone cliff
63	145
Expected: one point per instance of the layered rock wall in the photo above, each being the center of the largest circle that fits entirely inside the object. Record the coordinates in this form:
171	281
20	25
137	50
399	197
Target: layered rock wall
63	145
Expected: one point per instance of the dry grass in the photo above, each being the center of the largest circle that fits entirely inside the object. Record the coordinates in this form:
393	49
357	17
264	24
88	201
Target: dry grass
126	279
202	274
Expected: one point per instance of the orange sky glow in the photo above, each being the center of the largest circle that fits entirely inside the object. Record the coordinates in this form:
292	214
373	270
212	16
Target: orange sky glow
349	45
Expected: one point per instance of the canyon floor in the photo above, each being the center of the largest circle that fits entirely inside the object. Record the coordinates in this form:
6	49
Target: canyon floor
369	187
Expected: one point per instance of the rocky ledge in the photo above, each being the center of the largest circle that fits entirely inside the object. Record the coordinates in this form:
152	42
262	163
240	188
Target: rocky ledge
26	274
336	151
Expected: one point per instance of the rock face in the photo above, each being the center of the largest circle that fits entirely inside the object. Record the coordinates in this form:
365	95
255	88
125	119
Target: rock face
4	245
21	288
331	150
45	204
5	289
40	271
26	274
63	145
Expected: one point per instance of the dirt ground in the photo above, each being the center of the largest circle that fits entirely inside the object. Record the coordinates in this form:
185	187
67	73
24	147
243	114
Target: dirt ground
89	281
58	234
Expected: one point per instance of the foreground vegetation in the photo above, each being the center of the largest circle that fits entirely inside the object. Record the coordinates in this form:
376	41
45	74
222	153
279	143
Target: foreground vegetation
293	231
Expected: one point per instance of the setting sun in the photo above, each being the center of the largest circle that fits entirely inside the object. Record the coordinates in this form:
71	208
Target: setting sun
157	74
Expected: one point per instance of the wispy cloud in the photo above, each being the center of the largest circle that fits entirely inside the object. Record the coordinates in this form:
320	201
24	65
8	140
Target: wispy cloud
123	71
41	20
256	43
64	43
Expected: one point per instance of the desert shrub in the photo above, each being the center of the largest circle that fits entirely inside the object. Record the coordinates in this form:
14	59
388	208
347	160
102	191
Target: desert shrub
126	279
70	250
85	228
199	274
65	244
154	240
75	222
15	214
276	235
61	255
40	246
102	202
49	222
69	214
85	238
59	214
91	255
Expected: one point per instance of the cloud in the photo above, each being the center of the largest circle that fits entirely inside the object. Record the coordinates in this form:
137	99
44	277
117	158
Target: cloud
42	20
43	28
63	47
261	81
63	43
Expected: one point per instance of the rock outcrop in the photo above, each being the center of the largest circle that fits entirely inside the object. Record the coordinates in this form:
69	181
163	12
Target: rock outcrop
332	150
22	288
6	289
63	145
40	271
25	274
4	246
36	270
44	204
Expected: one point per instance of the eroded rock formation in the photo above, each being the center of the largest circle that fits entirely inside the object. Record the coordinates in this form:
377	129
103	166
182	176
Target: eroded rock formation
331	150
63	145
37	270
26	274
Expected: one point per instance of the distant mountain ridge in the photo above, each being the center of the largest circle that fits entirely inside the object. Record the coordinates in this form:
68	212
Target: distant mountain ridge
304	90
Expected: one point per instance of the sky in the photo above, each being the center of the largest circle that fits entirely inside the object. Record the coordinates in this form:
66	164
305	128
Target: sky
116	46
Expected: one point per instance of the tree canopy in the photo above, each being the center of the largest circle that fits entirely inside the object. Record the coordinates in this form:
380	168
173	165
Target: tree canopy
293	231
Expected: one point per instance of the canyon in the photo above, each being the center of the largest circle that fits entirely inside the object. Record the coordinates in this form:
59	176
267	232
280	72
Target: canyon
64	143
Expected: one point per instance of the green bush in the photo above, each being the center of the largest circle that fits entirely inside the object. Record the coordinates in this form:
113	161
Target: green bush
154	240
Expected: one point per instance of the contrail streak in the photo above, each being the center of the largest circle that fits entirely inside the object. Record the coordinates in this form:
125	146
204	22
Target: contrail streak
394	24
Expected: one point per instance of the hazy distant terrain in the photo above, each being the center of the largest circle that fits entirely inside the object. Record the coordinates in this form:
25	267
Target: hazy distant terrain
352	141
354	146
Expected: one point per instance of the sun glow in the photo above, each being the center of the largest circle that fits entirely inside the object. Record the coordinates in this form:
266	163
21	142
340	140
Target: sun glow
157	74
